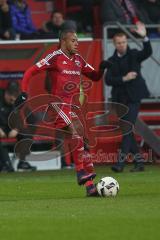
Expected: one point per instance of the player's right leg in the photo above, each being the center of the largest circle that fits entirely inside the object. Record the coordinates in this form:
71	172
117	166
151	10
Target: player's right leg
85	169
77	146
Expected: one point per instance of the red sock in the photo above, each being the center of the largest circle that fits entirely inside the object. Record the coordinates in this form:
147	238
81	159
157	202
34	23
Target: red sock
78	153
88	167
87	163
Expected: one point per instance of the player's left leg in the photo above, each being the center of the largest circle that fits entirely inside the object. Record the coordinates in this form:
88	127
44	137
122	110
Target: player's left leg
87	173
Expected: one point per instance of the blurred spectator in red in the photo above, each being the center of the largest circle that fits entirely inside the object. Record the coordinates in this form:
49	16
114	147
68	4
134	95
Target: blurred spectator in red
123	11
56	24
6	31
21	20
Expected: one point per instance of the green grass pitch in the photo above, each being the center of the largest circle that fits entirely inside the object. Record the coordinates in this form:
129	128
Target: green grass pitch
50	205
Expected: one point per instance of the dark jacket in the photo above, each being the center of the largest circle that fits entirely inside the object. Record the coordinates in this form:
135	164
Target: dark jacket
55	30
112	12
5	111
5	22
21	19
136	89
152	9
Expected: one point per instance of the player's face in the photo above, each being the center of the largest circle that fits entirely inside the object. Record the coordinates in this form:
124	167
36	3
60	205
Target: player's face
71	43
120	43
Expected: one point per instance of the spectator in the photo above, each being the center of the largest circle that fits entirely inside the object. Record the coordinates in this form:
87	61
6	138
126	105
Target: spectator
128	88
123	11
21	20
152	9
6	31
56	24
85	18
7	100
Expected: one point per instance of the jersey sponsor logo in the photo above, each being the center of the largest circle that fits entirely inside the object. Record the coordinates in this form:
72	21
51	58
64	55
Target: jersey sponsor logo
64	62
71	72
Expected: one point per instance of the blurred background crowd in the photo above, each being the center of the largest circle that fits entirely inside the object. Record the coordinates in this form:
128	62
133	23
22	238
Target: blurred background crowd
43	19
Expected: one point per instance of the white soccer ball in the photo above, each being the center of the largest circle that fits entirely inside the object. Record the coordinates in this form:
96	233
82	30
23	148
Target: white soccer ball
108	187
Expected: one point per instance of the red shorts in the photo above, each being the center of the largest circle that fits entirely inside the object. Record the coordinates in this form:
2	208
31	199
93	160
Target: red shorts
62	114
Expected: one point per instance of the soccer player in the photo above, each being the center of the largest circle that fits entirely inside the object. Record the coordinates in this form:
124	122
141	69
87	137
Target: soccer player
66	66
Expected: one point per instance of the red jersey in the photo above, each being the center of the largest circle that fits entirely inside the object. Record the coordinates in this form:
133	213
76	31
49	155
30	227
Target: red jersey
64	72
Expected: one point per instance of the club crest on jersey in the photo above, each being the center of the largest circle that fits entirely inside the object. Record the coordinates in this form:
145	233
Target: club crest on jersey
64	62
77	63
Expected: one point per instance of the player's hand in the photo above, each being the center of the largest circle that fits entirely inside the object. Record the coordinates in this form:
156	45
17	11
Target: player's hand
130	76
13	133
2	133
140	29
21	99
105	64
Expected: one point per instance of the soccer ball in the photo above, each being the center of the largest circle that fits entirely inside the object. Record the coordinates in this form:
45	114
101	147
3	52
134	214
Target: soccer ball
107	187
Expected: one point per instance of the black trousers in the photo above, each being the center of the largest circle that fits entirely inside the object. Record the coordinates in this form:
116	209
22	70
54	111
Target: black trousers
129	144
4	158
5	161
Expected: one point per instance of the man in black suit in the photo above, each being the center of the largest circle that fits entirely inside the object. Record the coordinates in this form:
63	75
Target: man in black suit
128	87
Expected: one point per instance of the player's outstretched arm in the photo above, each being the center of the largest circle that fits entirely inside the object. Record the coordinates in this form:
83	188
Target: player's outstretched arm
25	84
27	77
105	64
90	72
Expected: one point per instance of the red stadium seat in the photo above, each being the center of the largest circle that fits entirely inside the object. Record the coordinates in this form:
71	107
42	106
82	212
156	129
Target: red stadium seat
40	18
40	12
37	6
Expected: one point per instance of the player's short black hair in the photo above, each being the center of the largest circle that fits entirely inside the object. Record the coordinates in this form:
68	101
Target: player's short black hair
64	32
13	88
